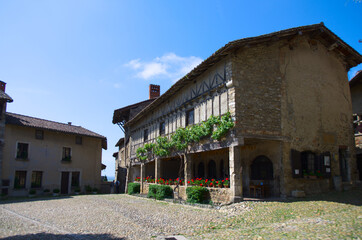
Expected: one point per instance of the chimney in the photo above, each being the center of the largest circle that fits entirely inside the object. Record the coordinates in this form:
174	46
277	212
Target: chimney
69	123
2	86
154	91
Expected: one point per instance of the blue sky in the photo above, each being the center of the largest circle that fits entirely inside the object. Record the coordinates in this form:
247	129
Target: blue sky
77	61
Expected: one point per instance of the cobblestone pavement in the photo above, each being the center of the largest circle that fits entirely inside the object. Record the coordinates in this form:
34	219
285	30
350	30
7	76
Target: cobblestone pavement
101	217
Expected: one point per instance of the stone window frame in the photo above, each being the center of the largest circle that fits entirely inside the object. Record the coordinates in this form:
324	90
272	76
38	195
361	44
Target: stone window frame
20	176
66	155
21	154
39	134
78	140
36	179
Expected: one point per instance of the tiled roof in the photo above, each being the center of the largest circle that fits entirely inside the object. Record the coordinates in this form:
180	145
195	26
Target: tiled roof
4	96
356	79
326	36
126	113
26	121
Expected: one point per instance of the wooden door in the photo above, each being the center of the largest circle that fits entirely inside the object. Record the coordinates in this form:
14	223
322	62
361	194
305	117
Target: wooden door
64	183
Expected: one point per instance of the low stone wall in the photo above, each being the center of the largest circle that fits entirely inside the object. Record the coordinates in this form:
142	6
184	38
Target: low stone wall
217	195
310	186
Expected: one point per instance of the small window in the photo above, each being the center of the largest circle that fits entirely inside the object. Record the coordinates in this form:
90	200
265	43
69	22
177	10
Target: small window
75	179
39	134
36	179
78	140
308	162
162	128
22	150
145	135
66	154
190	117
20	179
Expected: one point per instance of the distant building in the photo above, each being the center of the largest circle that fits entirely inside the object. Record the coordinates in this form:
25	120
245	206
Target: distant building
41	154
356	94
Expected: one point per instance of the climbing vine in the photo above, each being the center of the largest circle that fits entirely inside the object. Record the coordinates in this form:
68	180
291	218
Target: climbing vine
183	137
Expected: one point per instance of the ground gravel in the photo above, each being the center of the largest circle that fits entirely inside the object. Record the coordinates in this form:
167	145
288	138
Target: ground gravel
101	217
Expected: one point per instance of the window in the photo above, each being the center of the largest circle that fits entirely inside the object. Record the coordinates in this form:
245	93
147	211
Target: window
20	179
190	117
36	179
66	154
162	128
39	134
308	163
75	179
78	140
22	150
145	135
262	169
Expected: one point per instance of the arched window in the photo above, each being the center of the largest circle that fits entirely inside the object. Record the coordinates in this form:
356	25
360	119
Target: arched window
262	169
212	169
200	170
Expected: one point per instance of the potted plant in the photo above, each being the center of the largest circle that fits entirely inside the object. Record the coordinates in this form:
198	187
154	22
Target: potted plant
77	191
95	190
219	184
226	183
46	191
32	193
56	192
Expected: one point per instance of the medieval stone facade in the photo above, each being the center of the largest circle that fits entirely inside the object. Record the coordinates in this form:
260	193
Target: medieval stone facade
289	97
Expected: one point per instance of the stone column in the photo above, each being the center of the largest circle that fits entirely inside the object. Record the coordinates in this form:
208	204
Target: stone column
235	174
187	168
143	171
158	169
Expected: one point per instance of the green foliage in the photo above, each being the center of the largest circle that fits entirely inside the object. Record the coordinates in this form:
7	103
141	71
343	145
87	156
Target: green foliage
197	194
162	147
134	188
159	192
32	192
183	137
56	190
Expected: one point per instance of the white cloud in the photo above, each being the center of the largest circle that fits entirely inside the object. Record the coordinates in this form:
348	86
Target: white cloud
169	66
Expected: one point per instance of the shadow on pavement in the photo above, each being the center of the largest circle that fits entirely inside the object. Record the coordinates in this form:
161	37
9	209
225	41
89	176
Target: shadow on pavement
51	236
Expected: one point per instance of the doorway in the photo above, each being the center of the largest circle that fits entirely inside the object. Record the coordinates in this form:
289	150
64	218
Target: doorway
64	186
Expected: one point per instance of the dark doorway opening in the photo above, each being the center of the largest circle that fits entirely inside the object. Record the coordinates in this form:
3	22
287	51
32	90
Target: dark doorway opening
64	186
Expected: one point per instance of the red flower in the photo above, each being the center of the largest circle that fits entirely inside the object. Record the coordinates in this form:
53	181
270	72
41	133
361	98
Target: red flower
217	181
222	181
200	184
192	180
210	184
227	179
206	180
188	182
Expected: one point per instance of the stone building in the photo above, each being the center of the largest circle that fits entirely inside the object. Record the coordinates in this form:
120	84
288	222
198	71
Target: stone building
41	154
289	97
356	94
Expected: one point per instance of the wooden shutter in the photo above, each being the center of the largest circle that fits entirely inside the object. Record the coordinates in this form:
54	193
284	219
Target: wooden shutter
295	160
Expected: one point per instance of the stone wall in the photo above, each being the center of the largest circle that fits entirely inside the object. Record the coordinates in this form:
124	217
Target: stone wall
257	85
316	109
217	195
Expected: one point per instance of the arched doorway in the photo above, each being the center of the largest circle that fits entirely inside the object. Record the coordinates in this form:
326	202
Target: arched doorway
212	169
262	169
201	170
